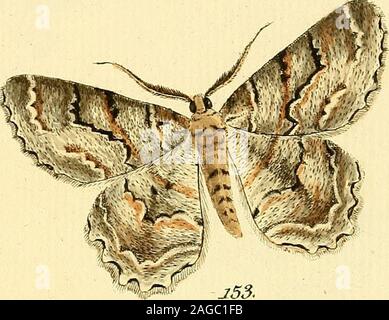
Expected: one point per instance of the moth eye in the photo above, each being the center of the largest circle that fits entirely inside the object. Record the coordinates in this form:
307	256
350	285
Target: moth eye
207	103
192	107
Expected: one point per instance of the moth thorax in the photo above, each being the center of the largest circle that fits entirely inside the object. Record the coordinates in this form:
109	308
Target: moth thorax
209	138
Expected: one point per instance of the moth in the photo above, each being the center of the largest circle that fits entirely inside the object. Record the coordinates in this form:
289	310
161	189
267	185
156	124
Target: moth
301	188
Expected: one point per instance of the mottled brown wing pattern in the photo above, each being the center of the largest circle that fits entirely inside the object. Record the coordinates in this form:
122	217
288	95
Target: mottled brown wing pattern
302	191
83	133
322	82
148	226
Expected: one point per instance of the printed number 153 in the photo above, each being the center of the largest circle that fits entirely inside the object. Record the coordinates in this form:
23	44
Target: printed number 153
238	292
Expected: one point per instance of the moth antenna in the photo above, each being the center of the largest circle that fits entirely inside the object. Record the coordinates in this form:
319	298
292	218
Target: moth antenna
228	76
157	90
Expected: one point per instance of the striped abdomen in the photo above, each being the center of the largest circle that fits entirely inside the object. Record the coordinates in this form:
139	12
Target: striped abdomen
218	183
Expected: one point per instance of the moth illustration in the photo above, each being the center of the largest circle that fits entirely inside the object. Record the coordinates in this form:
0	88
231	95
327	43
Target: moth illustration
301	189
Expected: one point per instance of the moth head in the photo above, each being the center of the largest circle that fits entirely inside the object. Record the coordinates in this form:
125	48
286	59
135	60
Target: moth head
200	104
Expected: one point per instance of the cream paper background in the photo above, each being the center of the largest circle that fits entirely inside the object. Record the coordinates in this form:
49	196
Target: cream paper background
184	45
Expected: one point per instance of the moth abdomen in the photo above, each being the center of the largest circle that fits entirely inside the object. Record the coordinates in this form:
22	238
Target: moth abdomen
218	182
